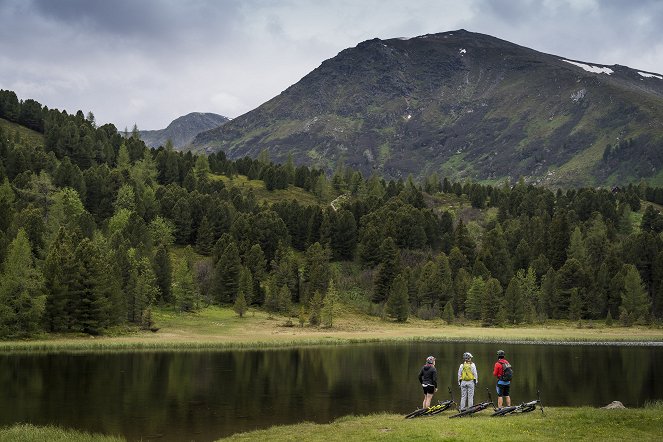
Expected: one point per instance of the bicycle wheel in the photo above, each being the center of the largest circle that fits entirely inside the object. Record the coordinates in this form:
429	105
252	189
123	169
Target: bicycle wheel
416	413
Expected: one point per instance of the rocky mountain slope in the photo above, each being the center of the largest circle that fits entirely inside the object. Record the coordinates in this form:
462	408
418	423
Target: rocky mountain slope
462	105
182	130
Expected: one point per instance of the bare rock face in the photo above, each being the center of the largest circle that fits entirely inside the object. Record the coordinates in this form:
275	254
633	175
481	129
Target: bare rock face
613	405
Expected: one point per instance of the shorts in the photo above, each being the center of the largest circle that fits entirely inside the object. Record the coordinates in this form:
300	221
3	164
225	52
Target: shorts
429	389
503	390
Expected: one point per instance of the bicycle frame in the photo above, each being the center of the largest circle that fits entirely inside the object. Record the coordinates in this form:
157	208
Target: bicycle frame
525	407
434	409
476	408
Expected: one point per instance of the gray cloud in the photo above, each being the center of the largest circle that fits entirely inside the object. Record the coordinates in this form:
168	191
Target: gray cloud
150	61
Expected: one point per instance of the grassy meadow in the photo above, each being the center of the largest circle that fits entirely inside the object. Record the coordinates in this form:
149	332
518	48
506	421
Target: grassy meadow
566	424
217	327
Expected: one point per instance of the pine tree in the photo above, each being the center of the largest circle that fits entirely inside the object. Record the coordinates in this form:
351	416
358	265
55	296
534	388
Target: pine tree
21	290
330	305
492	301
315	309
226	275
462	283
316	271
635	303
254	260
205	239
284	300
344	236
389	266
246	284
397	302
474	299
183	287
163	273
575	305
60	276
448	313
369	247
240	306
513	302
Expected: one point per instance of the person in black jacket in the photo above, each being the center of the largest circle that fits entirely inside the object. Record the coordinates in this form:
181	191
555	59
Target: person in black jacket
428	380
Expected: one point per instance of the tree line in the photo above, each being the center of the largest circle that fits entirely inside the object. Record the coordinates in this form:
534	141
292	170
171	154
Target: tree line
96	229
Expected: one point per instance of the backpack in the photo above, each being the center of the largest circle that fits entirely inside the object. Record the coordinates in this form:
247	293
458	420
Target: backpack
466	373
507	371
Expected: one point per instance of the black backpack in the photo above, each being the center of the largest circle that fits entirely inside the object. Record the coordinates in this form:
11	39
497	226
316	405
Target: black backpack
507	371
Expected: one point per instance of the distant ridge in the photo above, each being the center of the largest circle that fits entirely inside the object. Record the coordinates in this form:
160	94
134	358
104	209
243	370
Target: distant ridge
463	105
182	130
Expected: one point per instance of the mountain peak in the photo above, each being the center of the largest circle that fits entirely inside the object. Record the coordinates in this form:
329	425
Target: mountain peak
463	105
182	130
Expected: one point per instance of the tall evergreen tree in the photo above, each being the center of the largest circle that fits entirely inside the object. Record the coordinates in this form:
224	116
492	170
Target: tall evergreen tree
21	290
635	303
163	273
226	275
513	302
474	298
397	303
183	286
330	305
491	302
387	271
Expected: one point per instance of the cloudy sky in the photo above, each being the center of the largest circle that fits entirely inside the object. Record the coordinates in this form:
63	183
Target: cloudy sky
150	61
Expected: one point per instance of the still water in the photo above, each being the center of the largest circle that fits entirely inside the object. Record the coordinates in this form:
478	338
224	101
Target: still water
202	396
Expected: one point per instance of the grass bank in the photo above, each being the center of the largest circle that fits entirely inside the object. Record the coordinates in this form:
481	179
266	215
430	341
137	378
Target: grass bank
557	424
216	327
32	433
643	424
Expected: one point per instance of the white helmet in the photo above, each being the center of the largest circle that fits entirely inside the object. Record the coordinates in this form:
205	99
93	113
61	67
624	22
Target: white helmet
467	355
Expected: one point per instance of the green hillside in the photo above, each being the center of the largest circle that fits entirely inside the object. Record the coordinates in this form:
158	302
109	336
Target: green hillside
461	105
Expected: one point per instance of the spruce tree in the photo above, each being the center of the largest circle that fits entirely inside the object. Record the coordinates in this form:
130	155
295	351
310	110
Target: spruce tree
226	275
492	301
575	305
315	308
398	306
635	302
462	283
240	306
330	305
183	287
163	273
448	313
474	299
21	290
387	271
513	302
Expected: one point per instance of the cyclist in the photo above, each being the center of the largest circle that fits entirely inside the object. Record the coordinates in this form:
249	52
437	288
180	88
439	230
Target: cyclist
467	379
503	372
428	380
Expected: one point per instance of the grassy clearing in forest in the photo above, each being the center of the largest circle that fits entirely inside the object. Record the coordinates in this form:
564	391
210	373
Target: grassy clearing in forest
216	327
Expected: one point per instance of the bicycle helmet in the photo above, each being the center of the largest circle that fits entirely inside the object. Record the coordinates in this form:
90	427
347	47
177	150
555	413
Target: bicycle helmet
467	355
500	353
430	359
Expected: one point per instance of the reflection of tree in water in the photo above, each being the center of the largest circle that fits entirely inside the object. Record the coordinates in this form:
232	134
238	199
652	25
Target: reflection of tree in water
211	394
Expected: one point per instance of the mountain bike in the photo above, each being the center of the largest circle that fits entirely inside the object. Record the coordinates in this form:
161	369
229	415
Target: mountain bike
475	408
434	409
525	407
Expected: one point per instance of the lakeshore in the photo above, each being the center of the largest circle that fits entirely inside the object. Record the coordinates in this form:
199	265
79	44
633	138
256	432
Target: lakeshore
221	328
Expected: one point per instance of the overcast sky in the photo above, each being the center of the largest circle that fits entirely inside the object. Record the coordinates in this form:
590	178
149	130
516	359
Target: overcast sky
150	61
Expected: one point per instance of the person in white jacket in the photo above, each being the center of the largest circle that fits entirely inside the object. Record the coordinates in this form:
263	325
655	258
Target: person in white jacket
467	379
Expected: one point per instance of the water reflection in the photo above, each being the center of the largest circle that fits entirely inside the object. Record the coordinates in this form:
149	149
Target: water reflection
206	395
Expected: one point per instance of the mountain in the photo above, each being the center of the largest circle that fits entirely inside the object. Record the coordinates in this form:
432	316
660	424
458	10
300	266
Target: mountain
182	130
462	105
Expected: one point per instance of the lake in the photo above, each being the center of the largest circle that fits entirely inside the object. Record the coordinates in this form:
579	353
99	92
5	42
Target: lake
205	395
